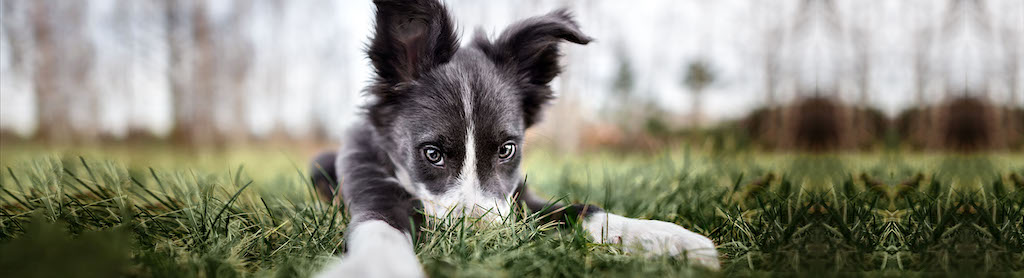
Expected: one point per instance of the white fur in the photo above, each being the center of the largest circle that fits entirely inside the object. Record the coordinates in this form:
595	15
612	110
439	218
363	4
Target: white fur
651	237
403	179
375	249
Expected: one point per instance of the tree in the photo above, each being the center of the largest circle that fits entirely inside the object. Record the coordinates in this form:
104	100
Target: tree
625	112
623	84
698	77
64	58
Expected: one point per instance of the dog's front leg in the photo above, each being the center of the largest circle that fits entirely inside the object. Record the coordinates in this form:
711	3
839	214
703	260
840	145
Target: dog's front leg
378	236
650	237
376	249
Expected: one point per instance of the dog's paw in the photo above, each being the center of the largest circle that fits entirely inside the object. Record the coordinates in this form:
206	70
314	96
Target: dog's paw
359	265
652	237
376	250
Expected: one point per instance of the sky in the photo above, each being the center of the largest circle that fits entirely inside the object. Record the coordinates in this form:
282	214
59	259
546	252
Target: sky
308	58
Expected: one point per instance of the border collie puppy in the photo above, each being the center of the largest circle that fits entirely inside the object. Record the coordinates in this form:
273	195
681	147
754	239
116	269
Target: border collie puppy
444	133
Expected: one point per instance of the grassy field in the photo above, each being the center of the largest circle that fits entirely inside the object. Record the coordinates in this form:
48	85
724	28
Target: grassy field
163	212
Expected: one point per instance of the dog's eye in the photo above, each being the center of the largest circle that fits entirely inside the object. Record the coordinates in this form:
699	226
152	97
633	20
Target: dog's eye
433	155
507	151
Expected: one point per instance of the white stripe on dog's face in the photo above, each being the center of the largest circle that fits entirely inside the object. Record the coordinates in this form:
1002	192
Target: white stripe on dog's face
468	177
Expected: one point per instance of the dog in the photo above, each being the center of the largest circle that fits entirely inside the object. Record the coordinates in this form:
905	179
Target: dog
443	135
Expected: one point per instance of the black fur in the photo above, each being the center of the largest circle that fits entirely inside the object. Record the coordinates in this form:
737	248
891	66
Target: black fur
324	175
529	51
553	211
411	38
369	189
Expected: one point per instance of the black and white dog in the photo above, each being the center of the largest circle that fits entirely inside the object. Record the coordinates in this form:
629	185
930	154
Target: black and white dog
444	133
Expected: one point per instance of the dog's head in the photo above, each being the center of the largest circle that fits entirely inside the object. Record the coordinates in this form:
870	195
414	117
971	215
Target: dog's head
453	119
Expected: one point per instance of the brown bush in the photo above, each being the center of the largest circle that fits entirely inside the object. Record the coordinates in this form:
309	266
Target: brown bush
962	124
816	124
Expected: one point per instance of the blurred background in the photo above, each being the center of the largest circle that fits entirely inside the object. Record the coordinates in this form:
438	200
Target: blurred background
800	135
809	75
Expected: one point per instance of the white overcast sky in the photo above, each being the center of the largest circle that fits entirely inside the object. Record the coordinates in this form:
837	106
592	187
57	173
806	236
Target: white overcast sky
320	44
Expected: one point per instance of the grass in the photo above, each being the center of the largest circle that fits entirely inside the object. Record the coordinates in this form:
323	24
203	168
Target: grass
108	214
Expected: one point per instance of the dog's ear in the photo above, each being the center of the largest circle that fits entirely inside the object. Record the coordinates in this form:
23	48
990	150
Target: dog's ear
411	37
529	50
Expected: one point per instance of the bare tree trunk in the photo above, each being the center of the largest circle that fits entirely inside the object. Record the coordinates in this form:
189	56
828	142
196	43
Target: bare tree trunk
771	77
77	58
1012	63
921	68
277	68
177	77
204	65
51	103
922	125
16	22
698	112
239	50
